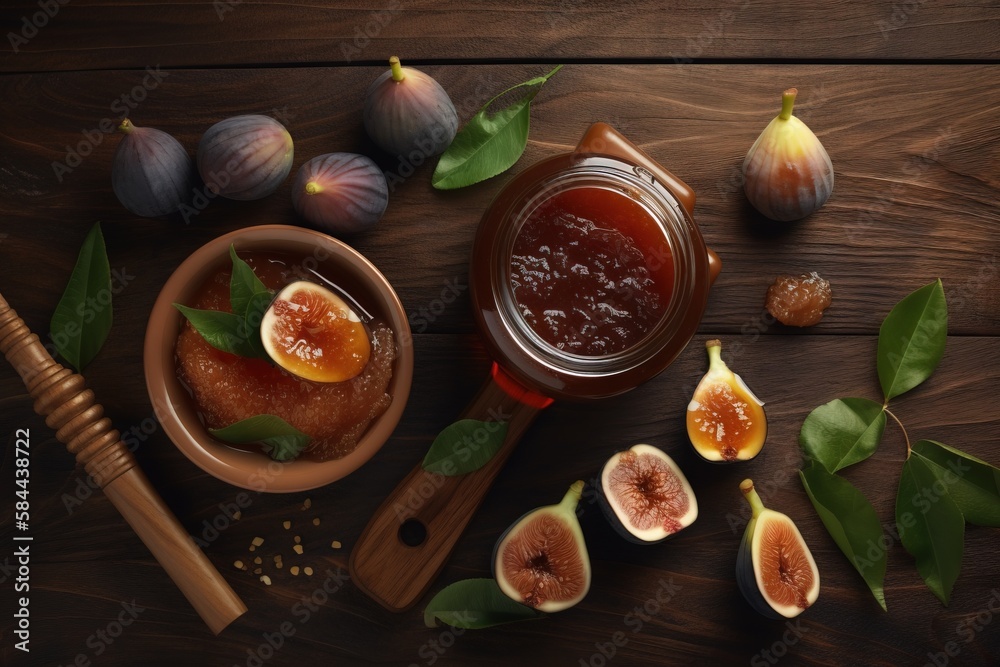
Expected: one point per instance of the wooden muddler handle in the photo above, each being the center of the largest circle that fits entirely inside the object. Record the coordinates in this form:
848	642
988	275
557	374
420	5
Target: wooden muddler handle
69	408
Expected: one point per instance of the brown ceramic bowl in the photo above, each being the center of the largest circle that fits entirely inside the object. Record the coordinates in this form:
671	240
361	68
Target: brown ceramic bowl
174	406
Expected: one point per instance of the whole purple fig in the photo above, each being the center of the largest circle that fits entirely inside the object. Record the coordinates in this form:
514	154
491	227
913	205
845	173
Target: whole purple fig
245	157
343	193
151	174
407	110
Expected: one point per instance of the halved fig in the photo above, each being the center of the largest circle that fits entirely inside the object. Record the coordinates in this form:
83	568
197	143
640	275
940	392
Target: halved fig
775	570
541	560
312	333
725	420
645	496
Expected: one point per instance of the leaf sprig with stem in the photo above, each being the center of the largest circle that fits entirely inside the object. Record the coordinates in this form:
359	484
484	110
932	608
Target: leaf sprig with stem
940	488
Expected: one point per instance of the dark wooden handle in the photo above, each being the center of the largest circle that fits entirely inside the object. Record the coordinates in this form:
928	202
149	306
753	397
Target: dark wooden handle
78	419
430	510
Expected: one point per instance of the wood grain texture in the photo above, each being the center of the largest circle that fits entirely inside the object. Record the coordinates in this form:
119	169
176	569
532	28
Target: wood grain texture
84	571
915	151
97	34
915	197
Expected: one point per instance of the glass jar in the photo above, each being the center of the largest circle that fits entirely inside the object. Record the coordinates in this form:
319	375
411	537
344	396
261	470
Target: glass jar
603	159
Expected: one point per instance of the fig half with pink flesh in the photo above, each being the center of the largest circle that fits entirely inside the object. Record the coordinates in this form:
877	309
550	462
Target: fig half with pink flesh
645	496
541	560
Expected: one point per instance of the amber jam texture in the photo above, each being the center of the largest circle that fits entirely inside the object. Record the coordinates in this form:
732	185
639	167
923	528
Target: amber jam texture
591	271
228	388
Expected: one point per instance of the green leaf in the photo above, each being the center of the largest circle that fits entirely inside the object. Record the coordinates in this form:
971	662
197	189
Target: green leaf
973	484
464	446
489	144
243	285
82	318
931	526
852	523
255	310
223	331
843	432
911	340
474	604
280	439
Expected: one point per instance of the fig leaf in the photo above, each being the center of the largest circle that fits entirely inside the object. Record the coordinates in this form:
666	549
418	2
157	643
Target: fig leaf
911	340
932	527
474	604
280	439
243	285
843	432
489	144
852	523
973	484
223	331
82	319
464	446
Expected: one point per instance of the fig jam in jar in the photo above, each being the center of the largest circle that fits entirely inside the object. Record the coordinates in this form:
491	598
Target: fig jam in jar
588	273
591	271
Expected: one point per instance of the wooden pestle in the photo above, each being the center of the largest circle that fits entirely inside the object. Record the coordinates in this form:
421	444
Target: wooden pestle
69	408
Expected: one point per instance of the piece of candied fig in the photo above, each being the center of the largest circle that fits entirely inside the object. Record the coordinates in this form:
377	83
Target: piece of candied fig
541	560
799	301
343	193
645	496
151	174
774	569
725	420
312	333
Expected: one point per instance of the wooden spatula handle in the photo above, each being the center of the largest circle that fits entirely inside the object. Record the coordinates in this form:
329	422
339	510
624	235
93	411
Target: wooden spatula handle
396	574
71	410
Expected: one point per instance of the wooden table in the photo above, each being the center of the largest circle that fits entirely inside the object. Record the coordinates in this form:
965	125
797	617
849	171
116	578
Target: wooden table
905	98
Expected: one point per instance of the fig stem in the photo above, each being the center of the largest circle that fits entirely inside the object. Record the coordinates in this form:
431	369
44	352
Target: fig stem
750	493
397	69
901	428
572	497
714	348
313	188
126	126
787	102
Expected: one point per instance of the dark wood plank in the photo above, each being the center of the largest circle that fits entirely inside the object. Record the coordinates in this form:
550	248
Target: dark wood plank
913	148
86	564
97	34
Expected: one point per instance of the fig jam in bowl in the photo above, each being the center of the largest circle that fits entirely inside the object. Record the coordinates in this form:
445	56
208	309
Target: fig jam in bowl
194	387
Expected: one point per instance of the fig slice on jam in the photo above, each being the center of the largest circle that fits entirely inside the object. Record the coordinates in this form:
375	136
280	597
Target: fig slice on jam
541	560
725	421
645	496
312	333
